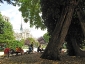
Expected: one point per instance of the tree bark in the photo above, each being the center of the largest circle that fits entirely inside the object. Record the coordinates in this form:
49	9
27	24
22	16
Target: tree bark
73	40
70	49
80	14
75	30
59	34
77	49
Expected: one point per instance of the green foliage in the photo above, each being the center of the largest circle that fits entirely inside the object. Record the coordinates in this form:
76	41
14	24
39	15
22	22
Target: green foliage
46	37
6	32
31	12
1	24
34	41
8	1
15	43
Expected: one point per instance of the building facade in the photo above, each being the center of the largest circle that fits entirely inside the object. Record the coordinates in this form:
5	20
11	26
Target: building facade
6	18
22	35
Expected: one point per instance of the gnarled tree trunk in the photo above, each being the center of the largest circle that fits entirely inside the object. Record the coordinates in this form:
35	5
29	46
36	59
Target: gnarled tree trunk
77	49
74	41
70	49
59	34
81	16
75	30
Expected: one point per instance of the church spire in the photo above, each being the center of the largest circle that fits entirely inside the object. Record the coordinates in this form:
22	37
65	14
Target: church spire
21	27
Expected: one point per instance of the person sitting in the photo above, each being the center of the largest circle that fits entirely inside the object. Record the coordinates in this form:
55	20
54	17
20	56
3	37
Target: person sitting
19	50
39	48
6	51
30	49
12	51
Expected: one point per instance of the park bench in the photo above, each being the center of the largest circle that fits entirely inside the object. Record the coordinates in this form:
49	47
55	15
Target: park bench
12	52
40	50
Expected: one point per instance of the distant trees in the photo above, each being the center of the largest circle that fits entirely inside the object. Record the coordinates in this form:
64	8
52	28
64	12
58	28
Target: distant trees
46	37
6	33
15	43
29	41
41	40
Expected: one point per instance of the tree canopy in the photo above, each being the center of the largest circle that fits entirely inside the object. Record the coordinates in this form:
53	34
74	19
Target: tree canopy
15	43
31	12
6	30
8	1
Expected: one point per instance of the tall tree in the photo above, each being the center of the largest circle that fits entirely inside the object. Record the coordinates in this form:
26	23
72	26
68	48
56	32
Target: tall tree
6	30
65	26
59	20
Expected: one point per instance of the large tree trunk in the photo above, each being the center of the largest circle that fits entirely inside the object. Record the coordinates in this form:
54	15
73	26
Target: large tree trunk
75	30
70	49
77	49
81	17
59	34
75	41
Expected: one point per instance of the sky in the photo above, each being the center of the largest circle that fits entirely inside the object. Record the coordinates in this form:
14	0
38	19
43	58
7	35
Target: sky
16	19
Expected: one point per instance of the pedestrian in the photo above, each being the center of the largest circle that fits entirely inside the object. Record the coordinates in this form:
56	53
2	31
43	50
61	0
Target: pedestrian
39	48
31	46
6	52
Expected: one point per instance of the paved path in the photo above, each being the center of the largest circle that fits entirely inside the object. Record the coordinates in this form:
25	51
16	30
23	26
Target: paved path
35	50
1	53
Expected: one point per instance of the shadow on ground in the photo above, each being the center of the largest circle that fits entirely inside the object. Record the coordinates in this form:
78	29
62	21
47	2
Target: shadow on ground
34	58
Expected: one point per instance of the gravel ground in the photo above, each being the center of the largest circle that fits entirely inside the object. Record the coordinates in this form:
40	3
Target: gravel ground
34	58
